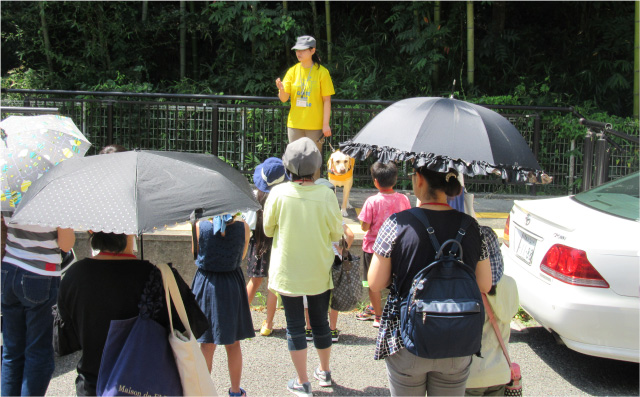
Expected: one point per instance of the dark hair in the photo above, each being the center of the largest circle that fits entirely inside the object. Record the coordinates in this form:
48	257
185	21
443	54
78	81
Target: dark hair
293	176
316	58
492	291
262	241
438	181
108	242
386	174
113	148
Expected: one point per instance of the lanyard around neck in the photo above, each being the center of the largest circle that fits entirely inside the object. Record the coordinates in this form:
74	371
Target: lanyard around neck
305	85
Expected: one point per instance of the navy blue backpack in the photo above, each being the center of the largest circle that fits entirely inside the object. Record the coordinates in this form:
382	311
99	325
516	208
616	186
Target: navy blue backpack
443	315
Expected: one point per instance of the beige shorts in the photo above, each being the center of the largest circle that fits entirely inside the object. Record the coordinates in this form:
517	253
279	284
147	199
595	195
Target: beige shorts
315	135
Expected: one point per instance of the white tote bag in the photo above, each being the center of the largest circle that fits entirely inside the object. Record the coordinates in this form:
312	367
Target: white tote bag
468	203
194	375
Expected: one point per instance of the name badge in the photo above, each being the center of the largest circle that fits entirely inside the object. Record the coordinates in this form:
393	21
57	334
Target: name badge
301	103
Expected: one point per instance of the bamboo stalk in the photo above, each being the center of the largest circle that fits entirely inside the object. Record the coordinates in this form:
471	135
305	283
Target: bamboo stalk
327	8
436	20
183	40
45	36
470	44
636	65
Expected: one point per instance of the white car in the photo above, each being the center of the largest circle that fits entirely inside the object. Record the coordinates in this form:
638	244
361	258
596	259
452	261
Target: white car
576	262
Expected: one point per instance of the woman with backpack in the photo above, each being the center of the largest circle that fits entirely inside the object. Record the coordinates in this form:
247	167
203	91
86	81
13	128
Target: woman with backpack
403	248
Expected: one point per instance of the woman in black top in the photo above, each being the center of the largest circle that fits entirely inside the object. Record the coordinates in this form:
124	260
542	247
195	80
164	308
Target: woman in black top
401	250
106	287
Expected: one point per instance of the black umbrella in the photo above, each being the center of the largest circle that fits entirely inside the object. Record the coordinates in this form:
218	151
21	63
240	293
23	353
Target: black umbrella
134	192
443	133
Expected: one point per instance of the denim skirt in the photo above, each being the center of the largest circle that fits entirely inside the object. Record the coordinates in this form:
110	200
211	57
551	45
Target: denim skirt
222	296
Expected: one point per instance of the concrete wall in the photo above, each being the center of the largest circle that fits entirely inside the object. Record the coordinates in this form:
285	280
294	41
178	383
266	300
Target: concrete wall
175	247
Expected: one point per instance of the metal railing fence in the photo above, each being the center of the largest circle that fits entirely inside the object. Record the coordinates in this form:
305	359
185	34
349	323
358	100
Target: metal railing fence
245	130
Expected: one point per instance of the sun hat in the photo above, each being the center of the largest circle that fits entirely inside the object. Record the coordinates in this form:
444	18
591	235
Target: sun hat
304	42
268	174
302	157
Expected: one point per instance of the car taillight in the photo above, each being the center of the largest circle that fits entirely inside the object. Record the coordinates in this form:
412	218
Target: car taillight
571	266
505	237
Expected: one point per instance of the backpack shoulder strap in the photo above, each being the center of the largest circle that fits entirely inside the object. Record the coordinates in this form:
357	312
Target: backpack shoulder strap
422	217
464	225
418	213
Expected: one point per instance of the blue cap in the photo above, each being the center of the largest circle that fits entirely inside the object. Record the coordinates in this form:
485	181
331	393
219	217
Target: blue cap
268	174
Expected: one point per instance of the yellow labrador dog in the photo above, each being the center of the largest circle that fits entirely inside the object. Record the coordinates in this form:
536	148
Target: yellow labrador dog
340	168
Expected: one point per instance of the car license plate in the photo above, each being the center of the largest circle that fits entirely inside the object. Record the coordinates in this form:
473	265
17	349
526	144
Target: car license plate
526	247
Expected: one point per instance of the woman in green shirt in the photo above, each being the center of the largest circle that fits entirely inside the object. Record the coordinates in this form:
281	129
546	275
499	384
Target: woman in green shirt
303	218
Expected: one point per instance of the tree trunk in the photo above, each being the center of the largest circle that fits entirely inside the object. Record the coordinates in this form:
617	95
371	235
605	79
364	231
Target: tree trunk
254	11
145	9
470	44
436	67
288	59
45	36
499	14
314	11
636	64
104	42
183	40
327	8
194	45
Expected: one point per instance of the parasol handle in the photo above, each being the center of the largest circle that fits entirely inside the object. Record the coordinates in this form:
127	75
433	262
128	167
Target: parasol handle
193	218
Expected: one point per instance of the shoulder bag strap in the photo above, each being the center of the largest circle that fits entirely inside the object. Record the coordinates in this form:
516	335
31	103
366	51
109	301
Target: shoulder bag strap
492	318
171	291
344	251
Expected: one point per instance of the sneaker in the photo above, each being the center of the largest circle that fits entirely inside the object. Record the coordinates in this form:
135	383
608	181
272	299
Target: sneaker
264	331
308	334
335	335
376	322
242	393
367	314
299	389
324	377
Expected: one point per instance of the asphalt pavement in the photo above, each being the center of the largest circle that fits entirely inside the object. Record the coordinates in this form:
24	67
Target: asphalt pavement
547	368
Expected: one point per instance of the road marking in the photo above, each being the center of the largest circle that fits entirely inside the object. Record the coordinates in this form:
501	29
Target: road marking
479	215
492	215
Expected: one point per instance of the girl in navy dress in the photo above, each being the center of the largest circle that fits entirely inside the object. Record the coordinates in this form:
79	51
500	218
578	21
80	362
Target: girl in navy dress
219	288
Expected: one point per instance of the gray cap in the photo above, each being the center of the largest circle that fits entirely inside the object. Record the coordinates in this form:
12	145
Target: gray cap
302	157
304	42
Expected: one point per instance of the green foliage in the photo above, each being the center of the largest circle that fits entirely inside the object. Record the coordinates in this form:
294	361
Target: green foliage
549	53
525	318
262	300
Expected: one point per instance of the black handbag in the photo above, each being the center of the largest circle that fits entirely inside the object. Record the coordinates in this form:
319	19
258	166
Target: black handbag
347	280
65	340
